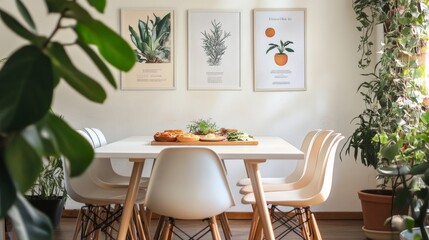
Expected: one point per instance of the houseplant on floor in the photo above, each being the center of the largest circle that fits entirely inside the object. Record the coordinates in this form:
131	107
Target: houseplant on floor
29	132
48	193
395	92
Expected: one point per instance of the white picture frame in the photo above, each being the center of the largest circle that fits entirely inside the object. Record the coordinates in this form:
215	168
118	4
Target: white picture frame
214	50
150	72
279	49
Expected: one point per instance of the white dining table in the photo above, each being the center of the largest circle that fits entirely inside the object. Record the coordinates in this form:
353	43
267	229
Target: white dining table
139	148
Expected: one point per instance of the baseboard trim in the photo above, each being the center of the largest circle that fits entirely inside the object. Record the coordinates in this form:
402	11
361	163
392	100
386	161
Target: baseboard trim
73	213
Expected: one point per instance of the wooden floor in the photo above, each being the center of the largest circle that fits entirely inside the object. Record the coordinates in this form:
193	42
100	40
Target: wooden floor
330	229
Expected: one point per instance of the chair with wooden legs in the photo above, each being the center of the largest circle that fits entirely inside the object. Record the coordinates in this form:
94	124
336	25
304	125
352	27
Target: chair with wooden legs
303	171
302	174
301	199
104	173
189	184
103	205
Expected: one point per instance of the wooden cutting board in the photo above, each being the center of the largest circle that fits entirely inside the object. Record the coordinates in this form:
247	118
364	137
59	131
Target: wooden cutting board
254	142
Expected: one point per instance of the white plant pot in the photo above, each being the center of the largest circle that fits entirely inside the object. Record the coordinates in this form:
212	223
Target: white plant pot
406	235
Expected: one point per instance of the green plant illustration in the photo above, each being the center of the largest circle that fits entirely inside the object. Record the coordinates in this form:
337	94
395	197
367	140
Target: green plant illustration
214	43
153	40
280	48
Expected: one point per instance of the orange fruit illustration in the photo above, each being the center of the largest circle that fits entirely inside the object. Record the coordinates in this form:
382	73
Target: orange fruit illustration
280	59
270	32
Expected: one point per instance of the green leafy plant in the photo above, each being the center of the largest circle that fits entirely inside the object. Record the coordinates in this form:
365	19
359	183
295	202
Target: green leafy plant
50	182
152	42
391	133
29	131
202	127
214	43
280	48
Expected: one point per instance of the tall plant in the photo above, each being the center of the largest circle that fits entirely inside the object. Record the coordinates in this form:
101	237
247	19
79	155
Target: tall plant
29	132
394	93
392	131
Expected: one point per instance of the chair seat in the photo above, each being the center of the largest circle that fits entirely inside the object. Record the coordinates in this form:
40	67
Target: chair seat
265	181
293	198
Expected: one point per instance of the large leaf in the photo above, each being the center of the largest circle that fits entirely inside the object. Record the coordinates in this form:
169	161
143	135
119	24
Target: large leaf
25	14
98	62
29	222
71	144
81	82
23	162
26	88
15	26
7	189
100	5
163	26
111	46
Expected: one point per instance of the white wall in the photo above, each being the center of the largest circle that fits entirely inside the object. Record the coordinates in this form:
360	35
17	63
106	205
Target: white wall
330	101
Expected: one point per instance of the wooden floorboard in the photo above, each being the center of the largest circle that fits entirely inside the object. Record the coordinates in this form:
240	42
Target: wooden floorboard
330	229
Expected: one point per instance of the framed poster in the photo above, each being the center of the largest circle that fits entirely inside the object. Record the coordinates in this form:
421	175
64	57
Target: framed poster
279	49
214	50
150	32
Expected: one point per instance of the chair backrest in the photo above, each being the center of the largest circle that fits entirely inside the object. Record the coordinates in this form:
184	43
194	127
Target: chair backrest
188	183
321	184
311	158
328	169
306	145
94	138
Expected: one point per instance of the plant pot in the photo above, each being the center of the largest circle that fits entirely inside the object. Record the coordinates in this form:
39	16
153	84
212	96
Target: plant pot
281	59
53	208
377	207
406	235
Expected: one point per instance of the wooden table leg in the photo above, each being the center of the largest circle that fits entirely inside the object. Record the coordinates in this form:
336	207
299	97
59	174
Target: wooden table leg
258	191
130	199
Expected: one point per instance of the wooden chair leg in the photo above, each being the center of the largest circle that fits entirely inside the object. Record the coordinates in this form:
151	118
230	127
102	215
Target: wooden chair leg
254	223
148	215
167	230
138	223
214	229
78	225
159	228
225	226
259	231
314	227
143	212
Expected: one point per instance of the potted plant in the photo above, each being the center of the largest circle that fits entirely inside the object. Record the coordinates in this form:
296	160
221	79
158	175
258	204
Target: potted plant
281	57
29	131
48	193
202	127
394	93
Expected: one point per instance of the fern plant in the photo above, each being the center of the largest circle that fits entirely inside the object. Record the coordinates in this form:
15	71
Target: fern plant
214	43
152	41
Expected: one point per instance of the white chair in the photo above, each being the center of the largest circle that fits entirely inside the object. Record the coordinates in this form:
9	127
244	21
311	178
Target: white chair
103	172
98	213
188	183
304	170
315	193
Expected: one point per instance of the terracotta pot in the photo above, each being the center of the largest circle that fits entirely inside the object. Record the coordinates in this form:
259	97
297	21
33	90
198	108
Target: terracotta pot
376	208
281	59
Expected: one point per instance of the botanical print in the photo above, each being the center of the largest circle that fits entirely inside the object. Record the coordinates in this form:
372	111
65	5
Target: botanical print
214	43
214	50
279	49
151	34
153	40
